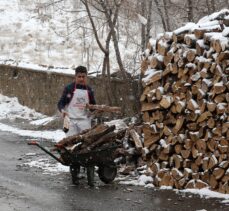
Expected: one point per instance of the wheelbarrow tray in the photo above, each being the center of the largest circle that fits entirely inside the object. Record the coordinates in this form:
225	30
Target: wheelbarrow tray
96	157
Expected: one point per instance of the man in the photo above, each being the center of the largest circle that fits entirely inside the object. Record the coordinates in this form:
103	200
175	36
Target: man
73	104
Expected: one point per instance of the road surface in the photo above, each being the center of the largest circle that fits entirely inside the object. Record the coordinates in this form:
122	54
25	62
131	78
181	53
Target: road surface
28	188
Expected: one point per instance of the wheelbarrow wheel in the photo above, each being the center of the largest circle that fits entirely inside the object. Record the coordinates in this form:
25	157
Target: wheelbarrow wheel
75	170
107	173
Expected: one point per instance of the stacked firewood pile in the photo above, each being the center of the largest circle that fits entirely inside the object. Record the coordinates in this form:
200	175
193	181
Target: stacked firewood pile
185	105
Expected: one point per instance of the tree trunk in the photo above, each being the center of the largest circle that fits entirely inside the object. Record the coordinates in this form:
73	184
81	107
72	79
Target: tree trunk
143	27
190	10
168	28
161	15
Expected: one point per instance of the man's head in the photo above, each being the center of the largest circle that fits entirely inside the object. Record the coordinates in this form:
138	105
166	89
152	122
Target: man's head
81	75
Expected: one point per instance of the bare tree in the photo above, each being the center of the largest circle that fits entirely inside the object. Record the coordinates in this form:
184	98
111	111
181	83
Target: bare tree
105	50
161	15
190	10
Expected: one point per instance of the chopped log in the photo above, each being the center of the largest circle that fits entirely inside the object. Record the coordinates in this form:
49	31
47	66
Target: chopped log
223	149
166	101
162	172
201	145
200	184
157	62
191	184
191	54
201	47
212	162
211	106
222	56
180	183
177	38
213	182
178	148
150	106
177	175
199	160
219	88
177	161
151	140
164	164
193	126
199	33
188	144
146	117
211	122
136	138
185	153
190	40
187	173
195	168
204	116
155	167
104	108
144	94
162	47
167	180
159	93
205	163
212	145
194	152
155	76
179	124
196	176
163	156
223	187
144	66
218	173
205	176
180	106
224	164
168	58
192	105
194	135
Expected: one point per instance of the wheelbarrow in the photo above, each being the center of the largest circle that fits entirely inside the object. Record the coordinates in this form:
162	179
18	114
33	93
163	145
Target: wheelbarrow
103	158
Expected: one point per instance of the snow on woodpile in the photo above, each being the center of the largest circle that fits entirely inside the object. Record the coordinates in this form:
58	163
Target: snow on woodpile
185	105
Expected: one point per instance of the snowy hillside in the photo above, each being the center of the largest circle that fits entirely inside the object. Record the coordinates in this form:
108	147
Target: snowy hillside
48	36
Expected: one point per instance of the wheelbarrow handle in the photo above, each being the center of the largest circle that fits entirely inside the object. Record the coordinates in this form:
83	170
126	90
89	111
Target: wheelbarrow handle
47	151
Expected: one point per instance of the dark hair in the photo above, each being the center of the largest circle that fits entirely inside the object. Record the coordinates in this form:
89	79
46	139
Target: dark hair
80	69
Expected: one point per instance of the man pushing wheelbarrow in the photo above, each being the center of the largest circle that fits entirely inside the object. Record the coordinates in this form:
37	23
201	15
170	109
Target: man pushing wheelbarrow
75	105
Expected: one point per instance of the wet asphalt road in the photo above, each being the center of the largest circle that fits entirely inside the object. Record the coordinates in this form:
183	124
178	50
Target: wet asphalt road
24	188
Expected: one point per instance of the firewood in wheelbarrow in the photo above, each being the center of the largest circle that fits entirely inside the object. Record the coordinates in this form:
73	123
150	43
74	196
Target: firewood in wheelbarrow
97	132
110	137
88	136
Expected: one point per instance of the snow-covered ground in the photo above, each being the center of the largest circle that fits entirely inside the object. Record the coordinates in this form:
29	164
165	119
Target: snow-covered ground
11	109
33	34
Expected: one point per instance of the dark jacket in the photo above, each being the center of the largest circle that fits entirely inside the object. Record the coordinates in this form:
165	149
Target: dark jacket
68	94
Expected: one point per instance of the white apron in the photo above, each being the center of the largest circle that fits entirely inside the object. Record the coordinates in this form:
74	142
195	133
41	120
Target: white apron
78	114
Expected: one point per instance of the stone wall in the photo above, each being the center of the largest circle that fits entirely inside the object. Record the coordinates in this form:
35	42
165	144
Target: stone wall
41	90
